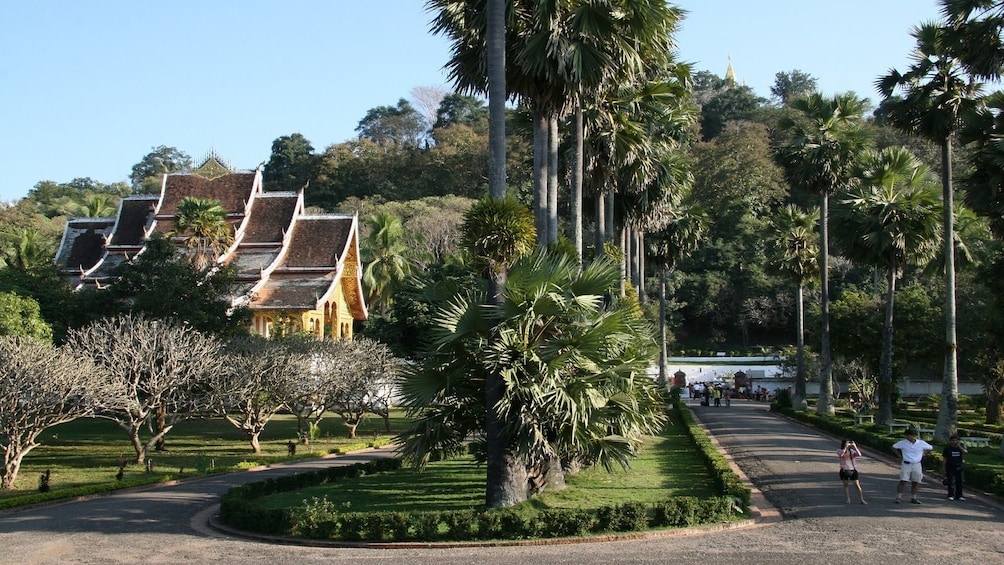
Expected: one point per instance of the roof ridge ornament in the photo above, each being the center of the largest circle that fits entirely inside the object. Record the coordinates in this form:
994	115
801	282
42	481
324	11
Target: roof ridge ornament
213	166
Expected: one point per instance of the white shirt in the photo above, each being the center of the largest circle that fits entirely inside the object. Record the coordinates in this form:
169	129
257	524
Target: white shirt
912	451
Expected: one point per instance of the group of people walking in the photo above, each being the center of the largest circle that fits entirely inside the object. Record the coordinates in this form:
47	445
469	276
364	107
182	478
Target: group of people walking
911	451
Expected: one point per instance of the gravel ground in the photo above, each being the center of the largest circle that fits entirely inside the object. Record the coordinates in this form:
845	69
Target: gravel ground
804	518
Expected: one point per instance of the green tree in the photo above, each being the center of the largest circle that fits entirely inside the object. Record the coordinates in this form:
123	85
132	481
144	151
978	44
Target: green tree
20	315
796	258
400	125
821	142
458	109
27	249
202	222
890	221
929	99
163	284
389	264
736	103
574	384
790	85
292	164
148	175
666	247
496	233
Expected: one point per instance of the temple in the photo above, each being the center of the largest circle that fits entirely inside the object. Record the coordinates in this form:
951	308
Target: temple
293	268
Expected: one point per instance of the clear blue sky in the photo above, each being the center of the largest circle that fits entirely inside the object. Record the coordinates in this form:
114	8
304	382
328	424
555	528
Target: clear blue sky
87	88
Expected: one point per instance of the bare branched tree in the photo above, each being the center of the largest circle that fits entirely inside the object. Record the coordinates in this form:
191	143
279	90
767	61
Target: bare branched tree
257	379
40	386
154	369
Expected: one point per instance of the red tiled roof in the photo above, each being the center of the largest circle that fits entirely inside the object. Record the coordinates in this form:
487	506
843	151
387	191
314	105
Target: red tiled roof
270	216
133	219
231	190
318	241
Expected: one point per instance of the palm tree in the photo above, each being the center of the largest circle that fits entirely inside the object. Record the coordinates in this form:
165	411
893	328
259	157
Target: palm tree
821	144
202	222
389	266
498	232
928	100
983	132
796	258
890	221
27	249
666	247
574	383
496	97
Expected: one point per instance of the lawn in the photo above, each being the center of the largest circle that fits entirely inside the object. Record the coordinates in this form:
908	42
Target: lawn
85	452
667	466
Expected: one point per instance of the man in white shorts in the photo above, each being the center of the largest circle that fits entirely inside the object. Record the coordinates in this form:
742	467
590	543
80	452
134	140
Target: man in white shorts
911	452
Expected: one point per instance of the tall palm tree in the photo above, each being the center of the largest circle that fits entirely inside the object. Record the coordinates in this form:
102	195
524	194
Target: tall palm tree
976	28
667	246
983	132
928	100
202	222
796	248
498	232
389	265
495	55
821	143
891	220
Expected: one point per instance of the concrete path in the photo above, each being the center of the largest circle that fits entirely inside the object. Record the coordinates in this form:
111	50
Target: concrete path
793	466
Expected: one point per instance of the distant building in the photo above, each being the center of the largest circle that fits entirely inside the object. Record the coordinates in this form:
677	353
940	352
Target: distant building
293	268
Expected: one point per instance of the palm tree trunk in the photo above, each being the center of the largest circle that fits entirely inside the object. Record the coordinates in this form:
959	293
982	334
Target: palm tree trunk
576	203
601	234
885	362
798	401
552	180
948	412
663	353
825	403
506	481
496	97
540	156
640	247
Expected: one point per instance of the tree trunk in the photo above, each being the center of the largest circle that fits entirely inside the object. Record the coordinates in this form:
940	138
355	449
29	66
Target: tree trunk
160	422
663	378
948	412
552	180
825	403
137	445
798	402
496	98
601	234
11	466
255	443
554	476
885	362
640	252
352	426
540	157
576	197
506	481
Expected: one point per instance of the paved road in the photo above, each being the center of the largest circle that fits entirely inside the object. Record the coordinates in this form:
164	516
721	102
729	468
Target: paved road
794	467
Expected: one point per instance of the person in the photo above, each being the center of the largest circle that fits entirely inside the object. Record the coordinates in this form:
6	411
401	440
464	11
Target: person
951	467
849	469
911	453
717	393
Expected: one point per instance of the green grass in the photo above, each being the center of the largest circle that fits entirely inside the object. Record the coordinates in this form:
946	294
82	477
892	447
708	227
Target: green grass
667	466
85	452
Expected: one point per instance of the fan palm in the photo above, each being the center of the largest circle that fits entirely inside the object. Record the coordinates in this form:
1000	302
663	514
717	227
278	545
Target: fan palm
573	370
796	258
928	100
202	222
821	143
890	221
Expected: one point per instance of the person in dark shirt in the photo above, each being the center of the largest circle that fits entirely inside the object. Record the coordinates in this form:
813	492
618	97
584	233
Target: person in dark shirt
951	467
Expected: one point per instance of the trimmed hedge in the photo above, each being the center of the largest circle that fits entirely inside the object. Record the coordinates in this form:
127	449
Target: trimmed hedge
320	519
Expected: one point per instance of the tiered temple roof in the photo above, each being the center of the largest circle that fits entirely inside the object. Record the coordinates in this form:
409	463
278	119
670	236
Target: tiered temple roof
290	264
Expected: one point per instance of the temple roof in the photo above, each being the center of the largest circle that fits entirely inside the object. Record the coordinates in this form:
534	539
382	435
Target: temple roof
284	258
